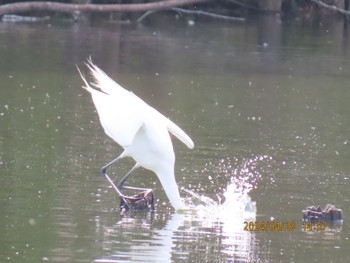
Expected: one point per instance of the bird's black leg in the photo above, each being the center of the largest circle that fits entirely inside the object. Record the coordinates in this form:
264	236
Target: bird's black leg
143	200
125	177
104	173
114	186
104	168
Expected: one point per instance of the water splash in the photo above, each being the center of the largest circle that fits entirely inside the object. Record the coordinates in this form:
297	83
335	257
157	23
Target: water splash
226	214
233	205
213	226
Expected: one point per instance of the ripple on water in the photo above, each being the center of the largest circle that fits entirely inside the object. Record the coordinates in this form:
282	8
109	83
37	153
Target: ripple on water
207	231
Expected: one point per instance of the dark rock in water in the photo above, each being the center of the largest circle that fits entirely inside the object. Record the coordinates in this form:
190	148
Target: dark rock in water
330	213
141	201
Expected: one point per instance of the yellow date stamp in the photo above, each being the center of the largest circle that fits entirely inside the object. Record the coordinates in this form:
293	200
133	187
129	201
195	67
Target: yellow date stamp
270	226
283	226
314	226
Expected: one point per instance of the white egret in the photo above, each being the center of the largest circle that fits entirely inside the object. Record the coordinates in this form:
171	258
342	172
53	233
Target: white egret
141	130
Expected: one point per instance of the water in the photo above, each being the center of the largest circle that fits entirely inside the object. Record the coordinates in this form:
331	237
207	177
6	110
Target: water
267	107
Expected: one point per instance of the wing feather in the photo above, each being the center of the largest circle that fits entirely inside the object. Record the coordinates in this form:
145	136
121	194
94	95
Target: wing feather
121	112
121	125
179	133
119	121
173	128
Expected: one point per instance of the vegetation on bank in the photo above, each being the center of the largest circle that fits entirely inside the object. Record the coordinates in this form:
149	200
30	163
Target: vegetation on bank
221	9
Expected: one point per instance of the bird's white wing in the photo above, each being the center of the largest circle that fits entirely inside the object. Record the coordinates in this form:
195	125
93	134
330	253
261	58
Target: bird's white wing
119	121
171	126
179	133
121	111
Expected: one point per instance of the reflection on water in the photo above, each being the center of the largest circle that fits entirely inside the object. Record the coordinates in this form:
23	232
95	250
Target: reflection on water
268	111
213	225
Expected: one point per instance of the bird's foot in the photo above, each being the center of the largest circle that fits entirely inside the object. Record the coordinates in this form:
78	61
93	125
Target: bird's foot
144	200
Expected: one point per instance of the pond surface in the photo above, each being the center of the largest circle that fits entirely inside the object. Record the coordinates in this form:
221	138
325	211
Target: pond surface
266	103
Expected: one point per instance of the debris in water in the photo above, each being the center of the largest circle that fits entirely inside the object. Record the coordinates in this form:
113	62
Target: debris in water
330	214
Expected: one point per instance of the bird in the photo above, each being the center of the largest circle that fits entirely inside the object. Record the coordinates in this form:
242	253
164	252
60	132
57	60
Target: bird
141	130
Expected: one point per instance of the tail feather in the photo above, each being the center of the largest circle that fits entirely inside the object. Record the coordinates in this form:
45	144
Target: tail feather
87	86
103	81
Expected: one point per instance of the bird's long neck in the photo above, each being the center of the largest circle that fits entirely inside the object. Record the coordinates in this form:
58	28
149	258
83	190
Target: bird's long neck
167	179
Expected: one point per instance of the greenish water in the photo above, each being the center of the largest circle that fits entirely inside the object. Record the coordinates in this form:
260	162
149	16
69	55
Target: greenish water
267	107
